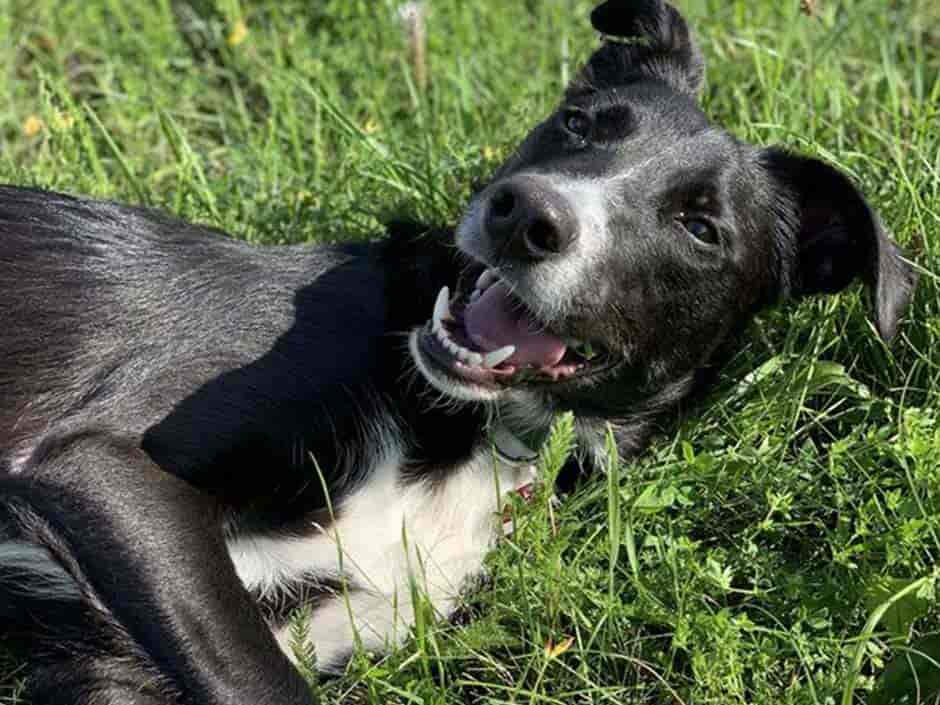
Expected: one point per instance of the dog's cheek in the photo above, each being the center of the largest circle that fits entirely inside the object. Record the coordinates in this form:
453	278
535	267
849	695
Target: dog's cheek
609	305
601	317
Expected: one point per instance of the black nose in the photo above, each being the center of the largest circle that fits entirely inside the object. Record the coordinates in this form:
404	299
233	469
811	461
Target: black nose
526	219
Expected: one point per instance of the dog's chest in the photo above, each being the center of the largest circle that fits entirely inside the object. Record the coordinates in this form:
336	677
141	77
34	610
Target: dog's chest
388	533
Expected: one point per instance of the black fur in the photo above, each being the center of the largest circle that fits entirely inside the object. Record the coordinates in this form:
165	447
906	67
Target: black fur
183	382
660	47
164	388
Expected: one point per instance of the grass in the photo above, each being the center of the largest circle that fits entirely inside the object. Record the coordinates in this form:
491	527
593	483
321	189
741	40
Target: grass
778	548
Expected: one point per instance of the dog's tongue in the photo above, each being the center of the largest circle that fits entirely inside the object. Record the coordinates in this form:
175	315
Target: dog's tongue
492	322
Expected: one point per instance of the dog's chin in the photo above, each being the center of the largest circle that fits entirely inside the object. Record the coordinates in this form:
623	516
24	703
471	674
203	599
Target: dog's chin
484	343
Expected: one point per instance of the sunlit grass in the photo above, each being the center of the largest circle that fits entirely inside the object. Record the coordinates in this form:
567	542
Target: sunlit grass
780	544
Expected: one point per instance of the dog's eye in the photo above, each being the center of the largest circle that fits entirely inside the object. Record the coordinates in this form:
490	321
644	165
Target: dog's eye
576	122
700	229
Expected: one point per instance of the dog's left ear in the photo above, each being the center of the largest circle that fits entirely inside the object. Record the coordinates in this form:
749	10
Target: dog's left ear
658	46
835	237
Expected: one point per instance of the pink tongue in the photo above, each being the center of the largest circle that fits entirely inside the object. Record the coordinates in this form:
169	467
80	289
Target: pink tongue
492	322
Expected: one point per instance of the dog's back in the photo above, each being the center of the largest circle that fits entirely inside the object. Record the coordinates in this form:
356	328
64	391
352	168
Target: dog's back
91	293
53	290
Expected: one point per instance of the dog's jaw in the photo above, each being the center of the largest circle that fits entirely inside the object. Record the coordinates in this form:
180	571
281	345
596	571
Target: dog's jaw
486	341
460	391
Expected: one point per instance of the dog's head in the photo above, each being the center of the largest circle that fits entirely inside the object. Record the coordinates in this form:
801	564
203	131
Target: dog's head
628	238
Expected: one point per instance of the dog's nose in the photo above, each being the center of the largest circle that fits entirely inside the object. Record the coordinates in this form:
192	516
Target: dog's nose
527	220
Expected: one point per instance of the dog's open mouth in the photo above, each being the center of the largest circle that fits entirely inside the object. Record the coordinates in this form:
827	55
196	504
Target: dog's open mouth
489	337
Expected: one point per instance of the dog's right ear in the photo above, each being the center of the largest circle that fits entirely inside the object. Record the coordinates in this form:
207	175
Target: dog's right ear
642	39
836	238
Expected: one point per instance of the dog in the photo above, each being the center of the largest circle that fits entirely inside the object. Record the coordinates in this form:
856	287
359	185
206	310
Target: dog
198	437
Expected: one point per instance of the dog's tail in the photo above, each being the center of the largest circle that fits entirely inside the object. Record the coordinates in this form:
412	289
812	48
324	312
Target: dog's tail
45	597
41	600
33	586
56	630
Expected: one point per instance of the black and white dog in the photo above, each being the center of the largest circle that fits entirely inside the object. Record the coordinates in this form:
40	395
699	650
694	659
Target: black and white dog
197	436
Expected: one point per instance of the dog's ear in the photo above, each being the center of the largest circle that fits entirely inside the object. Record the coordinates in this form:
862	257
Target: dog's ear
642	39
835	237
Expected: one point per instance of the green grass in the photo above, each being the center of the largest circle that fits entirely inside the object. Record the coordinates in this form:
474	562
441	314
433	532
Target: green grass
779	547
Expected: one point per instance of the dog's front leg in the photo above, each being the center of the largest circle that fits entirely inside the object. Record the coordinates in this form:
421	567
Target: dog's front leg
151	550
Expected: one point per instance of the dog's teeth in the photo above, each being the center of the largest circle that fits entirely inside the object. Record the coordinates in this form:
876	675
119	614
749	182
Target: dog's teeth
497	357
442	312
487	279
469	356
441	308
442	305
475	295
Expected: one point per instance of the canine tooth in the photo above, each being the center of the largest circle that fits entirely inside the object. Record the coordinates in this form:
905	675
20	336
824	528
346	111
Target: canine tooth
470	356
492	359
441	307
476	294
487	279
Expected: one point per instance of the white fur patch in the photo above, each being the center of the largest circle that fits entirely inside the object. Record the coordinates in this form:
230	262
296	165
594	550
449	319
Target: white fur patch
387	534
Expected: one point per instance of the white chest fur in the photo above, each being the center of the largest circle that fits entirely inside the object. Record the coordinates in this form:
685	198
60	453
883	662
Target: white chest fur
387	534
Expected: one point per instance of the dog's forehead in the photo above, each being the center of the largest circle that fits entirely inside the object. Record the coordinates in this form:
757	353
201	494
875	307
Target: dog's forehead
660	157
651	103
653	162
644	132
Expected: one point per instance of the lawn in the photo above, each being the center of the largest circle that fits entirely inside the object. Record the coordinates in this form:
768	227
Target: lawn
779	544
